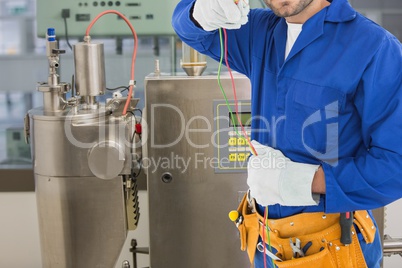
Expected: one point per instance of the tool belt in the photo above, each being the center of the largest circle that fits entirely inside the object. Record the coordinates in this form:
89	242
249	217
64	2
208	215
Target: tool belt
320	231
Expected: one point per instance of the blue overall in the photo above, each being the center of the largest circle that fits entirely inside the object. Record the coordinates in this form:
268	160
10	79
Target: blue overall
335	101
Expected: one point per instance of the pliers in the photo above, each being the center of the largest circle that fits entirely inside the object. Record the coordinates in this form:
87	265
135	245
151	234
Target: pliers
296	248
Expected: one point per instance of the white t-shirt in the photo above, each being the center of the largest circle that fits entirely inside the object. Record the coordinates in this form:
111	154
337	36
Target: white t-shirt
294	29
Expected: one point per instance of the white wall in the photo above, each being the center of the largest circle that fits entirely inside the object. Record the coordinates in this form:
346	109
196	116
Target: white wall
19	236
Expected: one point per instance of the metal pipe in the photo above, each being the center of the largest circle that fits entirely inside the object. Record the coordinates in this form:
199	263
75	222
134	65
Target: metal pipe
52	102
173	54
193	62
392	246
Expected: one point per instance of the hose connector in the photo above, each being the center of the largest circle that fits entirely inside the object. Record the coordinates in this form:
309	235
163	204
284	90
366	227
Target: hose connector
87	38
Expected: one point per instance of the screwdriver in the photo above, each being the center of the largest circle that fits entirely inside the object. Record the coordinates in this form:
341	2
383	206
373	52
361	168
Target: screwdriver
236	217
346	222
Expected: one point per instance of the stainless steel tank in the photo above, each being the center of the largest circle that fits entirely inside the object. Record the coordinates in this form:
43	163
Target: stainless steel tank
82	157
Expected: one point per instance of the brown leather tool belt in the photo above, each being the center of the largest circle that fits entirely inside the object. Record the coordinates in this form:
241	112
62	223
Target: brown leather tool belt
318	234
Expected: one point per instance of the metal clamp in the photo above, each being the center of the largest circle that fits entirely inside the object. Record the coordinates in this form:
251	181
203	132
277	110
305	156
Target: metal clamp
27	133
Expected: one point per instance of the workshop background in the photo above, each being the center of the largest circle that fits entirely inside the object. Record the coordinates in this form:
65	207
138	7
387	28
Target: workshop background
23	64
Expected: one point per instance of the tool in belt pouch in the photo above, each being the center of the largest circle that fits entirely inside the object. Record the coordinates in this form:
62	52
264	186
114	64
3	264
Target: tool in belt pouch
321	231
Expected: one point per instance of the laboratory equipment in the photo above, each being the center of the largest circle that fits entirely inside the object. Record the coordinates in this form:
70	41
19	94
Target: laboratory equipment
18	152
82	154
150	17
17	33
197	169
192	62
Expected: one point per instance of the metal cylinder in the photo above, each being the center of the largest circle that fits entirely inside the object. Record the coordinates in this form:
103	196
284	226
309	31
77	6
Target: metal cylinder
193	62
392	246
52	102
89	64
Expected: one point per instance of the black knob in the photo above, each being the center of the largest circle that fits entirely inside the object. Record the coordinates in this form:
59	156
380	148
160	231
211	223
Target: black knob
58	51
167	177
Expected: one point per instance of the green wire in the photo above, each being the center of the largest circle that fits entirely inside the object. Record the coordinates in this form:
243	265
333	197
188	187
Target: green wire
269	237
233	121
220	84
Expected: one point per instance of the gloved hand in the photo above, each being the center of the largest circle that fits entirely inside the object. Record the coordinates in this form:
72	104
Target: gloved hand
275	179
214	14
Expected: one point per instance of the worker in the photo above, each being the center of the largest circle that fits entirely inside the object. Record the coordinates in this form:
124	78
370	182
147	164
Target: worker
326	100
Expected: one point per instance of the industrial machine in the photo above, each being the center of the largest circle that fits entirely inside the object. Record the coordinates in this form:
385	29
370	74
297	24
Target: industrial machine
86	154
150	17
82	155
196	172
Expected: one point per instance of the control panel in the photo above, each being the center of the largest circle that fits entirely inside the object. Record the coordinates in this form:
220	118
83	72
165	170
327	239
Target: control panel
149	17
231	147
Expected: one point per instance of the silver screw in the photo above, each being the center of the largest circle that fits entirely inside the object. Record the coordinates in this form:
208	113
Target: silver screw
125	264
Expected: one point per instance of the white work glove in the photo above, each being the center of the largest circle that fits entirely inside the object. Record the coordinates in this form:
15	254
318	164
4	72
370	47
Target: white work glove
214	14
275	179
